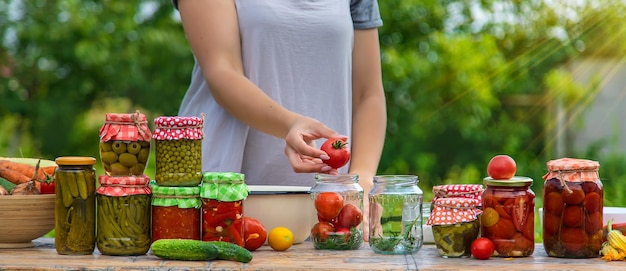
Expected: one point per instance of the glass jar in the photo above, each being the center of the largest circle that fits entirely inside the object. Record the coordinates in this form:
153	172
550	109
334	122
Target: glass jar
222	196
572	209
123	224
75	205
508	218
455	225
338	200
395	215
125	144
178	150
175	212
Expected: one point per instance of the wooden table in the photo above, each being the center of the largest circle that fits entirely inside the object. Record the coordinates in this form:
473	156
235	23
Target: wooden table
299	257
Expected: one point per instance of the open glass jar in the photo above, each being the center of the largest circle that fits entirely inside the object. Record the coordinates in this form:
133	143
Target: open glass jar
339	204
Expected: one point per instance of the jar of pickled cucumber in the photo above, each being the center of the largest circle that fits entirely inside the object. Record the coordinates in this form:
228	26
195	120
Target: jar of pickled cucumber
75	205
123	215
508	218
125	144
176	212
178	150
222	196
573	201
395	215
338	200
455	225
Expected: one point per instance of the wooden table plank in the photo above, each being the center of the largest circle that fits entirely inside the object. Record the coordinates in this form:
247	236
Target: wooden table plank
299	257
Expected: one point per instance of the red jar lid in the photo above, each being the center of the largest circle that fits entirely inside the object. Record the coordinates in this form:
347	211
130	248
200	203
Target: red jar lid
448	211
176	128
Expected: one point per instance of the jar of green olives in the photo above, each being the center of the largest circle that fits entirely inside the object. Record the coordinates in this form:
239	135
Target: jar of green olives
123	215
178	150
75	205
455	225
125	144
338	200
395	216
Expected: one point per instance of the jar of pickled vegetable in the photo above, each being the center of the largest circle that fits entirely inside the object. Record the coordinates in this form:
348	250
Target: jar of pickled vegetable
75	205
508	218
338	200
395	215
573	201
455	225
125	144
176	212
123	224
178	150
222	196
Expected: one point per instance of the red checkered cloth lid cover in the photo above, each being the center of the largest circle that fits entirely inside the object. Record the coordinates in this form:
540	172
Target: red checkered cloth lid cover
125	127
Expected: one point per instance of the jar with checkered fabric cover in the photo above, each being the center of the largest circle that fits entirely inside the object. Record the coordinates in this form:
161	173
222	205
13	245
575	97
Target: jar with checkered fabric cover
125	144
175	212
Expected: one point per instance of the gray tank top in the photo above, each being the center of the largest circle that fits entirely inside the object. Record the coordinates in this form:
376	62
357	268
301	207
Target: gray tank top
299	52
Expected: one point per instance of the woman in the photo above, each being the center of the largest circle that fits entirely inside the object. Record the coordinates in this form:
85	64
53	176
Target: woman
275	76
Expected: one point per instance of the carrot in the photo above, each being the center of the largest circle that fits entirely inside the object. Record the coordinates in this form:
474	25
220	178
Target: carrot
13	176
28	170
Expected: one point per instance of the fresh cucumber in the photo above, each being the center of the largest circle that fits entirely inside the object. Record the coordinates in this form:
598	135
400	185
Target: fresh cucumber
196	250
184	250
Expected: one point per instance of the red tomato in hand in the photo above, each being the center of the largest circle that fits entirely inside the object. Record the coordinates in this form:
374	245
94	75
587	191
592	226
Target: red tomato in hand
482	248
501	167
321	230
328	205
47	187
254	233
350	216
337	150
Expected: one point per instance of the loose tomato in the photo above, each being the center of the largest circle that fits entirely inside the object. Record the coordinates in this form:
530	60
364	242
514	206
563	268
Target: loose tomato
328	205
501	167
321	230
254	233
482	248
350	216
338	151
47	187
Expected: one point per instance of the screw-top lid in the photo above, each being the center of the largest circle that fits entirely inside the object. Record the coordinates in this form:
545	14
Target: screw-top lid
516	181
75	161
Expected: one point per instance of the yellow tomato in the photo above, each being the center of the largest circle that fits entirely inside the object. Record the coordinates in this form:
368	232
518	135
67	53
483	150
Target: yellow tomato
280	238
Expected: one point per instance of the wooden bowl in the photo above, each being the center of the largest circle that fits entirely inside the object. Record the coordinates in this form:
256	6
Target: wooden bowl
24	218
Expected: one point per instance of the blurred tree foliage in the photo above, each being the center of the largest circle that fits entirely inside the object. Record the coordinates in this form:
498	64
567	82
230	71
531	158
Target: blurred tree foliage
465	79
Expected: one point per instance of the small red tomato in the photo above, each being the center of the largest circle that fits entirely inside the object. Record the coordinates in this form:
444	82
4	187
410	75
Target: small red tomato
321	230
350	216
501	167
331	221
47	187
254	233
338	151
328	205
345	232
482	248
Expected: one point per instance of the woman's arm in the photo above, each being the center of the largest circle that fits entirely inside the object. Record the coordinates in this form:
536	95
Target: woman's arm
212	30
369	110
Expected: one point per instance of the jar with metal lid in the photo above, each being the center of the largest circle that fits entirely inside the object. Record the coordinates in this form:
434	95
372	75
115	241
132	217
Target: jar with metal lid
573	202
178	150
508	218
395	214
176	212
455	225
222	196
123	215
125	144
75	205
338	200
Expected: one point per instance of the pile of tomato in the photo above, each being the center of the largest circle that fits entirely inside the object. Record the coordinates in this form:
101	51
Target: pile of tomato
338	226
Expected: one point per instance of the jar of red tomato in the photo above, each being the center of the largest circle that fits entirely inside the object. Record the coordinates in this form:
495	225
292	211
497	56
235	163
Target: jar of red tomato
338	200
222	196
572	209
175	212
508	217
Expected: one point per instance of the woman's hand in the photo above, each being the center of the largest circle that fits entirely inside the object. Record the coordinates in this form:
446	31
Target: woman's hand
301	150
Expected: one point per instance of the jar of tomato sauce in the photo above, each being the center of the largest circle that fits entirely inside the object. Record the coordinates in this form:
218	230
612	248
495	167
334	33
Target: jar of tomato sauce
572	210
508	217
338	200
222	196
175	212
